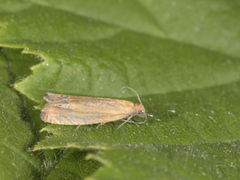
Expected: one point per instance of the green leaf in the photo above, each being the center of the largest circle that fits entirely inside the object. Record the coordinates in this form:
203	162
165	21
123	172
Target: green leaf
17	147
71	164
17	160
181	57
188	137
179	118
195	161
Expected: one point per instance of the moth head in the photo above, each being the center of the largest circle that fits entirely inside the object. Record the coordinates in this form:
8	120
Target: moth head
141	111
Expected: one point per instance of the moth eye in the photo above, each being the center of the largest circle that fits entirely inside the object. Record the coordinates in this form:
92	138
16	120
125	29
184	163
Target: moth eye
140	113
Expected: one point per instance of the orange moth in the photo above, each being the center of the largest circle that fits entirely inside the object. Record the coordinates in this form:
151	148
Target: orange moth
80	110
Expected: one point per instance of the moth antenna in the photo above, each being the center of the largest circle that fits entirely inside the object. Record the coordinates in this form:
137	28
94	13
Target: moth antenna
131	90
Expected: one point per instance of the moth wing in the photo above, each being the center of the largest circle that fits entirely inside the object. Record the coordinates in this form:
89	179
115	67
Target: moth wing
50	97
86	110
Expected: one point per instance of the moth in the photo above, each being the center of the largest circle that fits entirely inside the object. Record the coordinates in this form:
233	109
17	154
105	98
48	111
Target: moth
80	110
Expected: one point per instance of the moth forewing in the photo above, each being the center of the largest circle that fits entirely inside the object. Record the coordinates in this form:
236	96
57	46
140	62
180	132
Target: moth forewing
50	97
77	110
86	110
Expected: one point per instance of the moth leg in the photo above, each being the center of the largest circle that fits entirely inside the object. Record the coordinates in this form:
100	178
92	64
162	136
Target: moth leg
99	125
77	128
142	122
128	119
136	119
134	122
139	121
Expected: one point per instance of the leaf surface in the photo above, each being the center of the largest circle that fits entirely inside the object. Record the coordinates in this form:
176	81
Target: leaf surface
181	57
